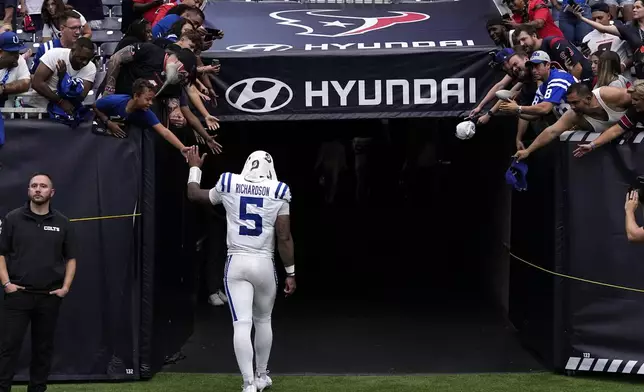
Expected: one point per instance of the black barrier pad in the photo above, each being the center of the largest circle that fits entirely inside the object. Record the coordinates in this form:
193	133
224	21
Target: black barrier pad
602	322
533	239
93	176
169	263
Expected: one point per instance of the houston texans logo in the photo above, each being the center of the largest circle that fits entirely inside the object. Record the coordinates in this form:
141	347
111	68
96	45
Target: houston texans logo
334	25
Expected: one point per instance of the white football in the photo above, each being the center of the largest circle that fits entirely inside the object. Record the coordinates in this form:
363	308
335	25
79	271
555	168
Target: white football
465	130
504	95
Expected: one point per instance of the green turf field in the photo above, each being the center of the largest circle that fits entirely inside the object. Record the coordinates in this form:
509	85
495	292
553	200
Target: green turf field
537	382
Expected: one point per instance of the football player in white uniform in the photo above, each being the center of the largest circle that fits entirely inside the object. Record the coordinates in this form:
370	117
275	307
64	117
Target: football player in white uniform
257	209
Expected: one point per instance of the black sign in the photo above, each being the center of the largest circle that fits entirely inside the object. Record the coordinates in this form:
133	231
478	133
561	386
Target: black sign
326	61
335	86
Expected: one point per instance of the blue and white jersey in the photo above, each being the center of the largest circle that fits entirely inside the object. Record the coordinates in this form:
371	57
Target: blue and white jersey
251	211
554	91
42	49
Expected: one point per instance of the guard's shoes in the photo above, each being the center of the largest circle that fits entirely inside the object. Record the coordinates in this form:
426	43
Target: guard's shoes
263	383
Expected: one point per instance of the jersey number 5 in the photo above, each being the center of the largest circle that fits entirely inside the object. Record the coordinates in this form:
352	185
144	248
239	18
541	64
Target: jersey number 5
244	215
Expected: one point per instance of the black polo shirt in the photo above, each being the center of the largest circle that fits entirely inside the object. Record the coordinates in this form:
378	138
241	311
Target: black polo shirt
37	248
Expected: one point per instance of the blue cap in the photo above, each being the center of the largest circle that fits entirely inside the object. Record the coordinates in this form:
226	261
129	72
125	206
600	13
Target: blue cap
10	42
516	175
503	55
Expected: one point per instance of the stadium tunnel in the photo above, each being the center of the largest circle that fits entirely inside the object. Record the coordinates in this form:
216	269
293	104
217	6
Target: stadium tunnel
414	280
414	284
417	279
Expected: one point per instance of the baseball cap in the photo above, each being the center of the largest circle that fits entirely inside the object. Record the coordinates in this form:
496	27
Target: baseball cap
503	55
189	61
10	42
465	130
516	175
495	21
539	57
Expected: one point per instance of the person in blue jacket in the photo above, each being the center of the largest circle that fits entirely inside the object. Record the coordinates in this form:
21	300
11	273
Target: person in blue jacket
194	15
117	110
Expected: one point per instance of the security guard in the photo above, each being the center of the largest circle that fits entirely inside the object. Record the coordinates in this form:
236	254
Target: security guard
37	267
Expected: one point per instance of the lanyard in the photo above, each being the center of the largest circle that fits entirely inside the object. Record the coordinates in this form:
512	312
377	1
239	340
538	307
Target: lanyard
6	77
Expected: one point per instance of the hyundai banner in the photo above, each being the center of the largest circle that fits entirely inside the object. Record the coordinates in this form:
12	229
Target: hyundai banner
325	61
439	83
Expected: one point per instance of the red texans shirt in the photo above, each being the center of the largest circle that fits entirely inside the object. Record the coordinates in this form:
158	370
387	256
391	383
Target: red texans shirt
538	9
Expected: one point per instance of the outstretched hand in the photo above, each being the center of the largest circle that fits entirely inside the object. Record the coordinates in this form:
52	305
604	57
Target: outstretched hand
582	150
193	157
632	201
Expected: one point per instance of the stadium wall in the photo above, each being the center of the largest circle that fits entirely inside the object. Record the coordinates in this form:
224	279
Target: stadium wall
131	305
601	324
97	334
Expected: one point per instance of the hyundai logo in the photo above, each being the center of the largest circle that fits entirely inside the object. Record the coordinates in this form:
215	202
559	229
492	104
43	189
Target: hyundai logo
259	95
259	48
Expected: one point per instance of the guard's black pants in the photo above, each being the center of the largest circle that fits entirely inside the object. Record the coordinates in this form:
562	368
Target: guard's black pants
19	309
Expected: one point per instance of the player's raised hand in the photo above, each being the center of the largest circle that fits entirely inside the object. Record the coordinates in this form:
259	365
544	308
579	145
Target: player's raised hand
289	286
193	157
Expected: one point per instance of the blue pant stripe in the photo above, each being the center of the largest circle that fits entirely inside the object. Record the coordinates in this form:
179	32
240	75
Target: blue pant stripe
230	299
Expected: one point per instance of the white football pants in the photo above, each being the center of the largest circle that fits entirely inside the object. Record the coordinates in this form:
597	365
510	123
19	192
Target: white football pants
251	286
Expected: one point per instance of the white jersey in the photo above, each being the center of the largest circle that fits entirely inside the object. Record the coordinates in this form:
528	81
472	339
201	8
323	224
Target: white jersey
597	41
251	211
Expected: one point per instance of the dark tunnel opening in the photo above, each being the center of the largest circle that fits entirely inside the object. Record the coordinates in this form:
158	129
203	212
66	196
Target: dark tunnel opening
414	279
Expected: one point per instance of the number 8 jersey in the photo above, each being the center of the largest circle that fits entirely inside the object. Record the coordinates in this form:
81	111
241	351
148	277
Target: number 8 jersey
554	91
251	211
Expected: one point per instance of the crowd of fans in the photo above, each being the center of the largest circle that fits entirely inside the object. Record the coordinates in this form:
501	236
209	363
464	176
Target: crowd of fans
121	62
568	65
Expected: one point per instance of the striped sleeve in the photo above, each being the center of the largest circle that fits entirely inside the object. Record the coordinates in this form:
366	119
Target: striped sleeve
283	192
629	120
556	90
223	185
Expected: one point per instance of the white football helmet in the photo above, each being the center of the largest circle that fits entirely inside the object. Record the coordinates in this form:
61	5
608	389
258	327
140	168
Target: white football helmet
259	167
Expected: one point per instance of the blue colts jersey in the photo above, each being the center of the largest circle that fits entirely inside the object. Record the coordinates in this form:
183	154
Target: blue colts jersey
554	91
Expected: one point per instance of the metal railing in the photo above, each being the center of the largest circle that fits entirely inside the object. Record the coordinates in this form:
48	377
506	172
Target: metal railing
24	113
12	113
